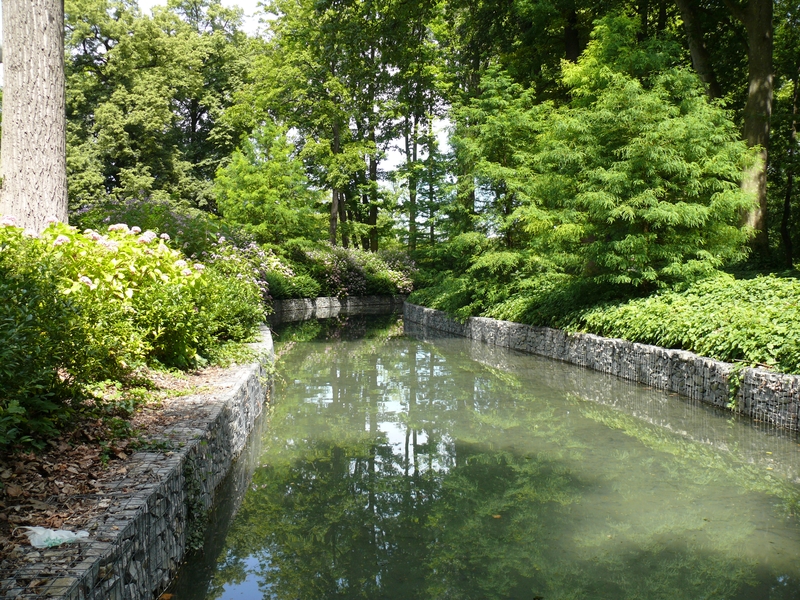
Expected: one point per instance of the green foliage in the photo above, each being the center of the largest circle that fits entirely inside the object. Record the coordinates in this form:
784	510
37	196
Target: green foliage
264	188
292	286
233	295
634	182
353	272
40	334
755	320
84	307
193	231
752	320
145	96
305	270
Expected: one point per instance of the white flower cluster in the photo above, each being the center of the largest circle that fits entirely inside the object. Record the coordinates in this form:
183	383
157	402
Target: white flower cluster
147	237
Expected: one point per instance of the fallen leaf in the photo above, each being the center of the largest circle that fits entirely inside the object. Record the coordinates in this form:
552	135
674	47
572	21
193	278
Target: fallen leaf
39	505
13	491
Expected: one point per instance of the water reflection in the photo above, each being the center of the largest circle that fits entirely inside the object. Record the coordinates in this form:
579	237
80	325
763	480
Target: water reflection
396	468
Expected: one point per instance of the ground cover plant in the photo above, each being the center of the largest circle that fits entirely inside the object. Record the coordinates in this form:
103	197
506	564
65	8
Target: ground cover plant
756	321
301	269
81	308
752	320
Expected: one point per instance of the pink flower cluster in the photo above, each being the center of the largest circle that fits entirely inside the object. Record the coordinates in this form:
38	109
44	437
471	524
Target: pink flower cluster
61	240
8	221
109	245
147	237
87	282
102	240
119	227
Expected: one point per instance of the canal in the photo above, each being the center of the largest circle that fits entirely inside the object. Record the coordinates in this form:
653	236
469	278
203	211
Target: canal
411	466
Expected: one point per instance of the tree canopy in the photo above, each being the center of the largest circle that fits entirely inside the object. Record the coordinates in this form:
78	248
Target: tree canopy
636	144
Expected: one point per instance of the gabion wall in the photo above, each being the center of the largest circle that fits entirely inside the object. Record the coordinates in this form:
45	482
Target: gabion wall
761	394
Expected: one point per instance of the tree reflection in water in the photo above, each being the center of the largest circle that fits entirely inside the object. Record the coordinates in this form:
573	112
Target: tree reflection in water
393	468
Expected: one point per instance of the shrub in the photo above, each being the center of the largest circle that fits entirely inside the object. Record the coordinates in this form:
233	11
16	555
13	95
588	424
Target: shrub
193	231
307	270
84	307
292	286
352	272
39	337
235	293
755	320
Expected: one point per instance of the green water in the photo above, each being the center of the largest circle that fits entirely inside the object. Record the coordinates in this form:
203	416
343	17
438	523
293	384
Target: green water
398	468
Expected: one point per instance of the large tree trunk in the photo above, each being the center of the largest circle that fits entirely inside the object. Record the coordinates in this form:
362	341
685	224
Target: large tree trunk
33	152
756	16
572	44
786	234
701	60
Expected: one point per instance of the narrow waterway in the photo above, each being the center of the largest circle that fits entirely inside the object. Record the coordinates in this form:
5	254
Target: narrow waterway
396	466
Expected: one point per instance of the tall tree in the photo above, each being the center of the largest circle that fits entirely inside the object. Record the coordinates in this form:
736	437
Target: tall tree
701	59
756	16
784	147
33	151
145	97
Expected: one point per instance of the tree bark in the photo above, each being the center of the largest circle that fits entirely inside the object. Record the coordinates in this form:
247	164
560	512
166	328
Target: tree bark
33	148
336	198
662	15
756	16
701	60
412	145
343	227
334	216
431	175
372	218
572	44
787	201
644	9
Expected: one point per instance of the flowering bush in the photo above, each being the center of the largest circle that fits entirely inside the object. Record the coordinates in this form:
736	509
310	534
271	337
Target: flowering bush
79	307
353	272
40	336
237	290
193	231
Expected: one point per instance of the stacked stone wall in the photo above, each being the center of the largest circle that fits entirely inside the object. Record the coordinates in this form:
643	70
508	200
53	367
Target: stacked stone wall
325	308
160	504
761	394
